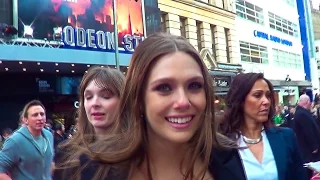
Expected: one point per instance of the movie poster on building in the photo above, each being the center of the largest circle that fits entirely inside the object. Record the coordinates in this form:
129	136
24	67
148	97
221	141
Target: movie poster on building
83	24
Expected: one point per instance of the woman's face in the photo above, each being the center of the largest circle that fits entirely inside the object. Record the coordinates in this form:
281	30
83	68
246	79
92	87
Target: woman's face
100	106
174	98
257	102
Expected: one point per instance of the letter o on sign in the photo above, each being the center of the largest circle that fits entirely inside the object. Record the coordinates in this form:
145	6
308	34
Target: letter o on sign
76	104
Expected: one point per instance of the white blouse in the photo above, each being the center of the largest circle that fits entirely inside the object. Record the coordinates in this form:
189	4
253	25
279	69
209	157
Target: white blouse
254	170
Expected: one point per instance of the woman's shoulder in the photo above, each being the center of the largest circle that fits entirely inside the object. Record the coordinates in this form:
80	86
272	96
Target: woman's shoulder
91	168
282	130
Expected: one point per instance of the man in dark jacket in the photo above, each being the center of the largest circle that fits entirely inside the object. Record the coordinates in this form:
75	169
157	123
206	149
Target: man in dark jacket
59	135
307	131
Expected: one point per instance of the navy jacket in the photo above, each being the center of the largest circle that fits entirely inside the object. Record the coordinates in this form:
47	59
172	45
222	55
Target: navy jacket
308	134
226	163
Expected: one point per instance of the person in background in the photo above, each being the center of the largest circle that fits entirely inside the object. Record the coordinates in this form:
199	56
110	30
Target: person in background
99	97
49	126
21	121
59	134
278	118
6	133
28	153
266	151
316	98
307	131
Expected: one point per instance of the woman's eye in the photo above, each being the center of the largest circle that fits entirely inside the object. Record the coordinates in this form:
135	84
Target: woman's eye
257	95
106	97
88	97
195	85
163	88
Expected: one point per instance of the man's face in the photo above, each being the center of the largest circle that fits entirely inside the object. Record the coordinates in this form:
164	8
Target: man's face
36	118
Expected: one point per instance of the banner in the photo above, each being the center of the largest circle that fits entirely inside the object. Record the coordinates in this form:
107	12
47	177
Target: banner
82	24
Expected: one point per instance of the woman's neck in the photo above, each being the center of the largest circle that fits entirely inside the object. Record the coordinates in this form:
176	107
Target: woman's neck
252	130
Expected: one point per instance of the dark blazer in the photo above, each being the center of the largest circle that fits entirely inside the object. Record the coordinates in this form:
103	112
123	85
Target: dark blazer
308	134
226	163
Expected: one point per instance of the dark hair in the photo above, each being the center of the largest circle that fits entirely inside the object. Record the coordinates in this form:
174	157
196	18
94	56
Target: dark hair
239	89
29	105
58	126
7	131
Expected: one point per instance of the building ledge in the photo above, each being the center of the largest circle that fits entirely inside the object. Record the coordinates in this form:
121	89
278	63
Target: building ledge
203	6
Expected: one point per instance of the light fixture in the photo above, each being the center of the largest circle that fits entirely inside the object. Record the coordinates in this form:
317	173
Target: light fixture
57	64
127	67
0	62
102	66
24	69
72	71
7	69
38	64
27	31
41	70
20	62
86	71
57	70
88	65
72	64
216	101
115	67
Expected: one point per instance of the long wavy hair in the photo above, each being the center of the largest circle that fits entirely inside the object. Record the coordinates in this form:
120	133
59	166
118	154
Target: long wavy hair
128	143
104	77
234	112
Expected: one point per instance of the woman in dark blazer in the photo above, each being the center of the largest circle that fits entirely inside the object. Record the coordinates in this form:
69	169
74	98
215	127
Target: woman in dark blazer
265	151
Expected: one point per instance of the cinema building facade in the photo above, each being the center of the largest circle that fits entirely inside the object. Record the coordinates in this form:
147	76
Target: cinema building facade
56	42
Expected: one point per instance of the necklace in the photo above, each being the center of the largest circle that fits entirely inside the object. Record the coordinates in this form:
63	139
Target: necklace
251	141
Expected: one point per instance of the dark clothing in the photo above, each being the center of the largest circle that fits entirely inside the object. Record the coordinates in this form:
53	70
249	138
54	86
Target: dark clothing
58	139
288	121
90	170
226	164
308	134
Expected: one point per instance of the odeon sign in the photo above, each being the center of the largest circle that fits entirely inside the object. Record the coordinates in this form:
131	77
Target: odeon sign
96	39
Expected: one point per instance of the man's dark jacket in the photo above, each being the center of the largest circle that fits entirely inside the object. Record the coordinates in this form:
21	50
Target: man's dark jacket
308	134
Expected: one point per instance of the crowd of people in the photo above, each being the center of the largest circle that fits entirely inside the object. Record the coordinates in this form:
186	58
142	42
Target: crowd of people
159	122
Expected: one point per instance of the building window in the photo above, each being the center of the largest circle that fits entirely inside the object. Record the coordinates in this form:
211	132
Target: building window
213	40
198	23
183	26
290	2
163	22
6	13
226	33
286	59
249	11
280	24
253	53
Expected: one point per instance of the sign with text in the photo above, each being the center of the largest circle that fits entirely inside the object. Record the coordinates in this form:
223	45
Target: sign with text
270	37
222	81
82	24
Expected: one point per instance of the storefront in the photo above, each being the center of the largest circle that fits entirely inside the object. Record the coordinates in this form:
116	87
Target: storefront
222	74
56	42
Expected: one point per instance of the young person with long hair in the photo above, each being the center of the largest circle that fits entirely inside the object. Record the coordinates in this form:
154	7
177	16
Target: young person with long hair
99	97
165	126
266	151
